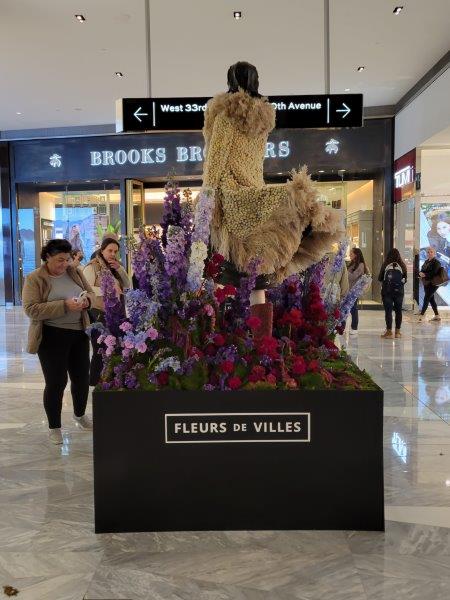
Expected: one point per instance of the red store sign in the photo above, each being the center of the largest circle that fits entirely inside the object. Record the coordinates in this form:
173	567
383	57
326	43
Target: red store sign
404	176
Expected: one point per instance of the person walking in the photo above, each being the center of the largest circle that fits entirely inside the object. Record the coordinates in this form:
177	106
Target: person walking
56	297
430	269
356	269
393	276
105	259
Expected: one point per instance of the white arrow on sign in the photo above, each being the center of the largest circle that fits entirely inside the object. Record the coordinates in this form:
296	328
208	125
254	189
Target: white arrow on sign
138	114
345	110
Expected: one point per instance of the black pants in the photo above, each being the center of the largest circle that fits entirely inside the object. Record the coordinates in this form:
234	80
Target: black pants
355	316
394	302
62	352
429	299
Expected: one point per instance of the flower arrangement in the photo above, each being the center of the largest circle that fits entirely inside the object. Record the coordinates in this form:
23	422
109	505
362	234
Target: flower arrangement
180	330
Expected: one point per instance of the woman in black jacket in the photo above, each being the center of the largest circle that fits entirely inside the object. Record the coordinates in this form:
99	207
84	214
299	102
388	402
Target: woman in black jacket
430	268
393	277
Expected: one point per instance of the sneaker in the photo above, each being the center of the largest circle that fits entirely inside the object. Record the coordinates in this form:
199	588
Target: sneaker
397	333
436	318
387	334
83	422
353	332
55	436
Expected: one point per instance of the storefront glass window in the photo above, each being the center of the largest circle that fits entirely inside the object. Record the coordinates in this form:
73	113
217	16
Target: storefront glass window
82	217
356	198
404	242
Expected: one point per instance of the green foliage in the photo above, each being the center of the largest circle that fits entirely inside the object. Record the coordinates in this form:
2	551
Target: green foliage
312	381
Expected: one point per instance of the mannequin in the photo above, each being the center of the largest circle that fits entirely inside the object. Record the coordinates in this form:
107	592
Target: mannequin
282	224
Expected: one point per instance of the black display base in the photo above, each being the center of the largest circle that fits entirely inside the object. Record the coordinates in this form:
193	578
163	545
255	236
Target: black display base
255	468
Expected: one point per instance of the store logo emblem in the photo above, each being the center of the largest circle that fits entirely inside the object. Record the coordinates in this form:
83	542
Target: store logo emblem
404	176
332	146
55	160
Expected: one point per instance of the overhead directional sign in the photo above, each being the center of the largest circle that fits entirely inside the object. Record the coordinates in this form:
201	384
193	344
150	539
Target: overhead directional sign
187	114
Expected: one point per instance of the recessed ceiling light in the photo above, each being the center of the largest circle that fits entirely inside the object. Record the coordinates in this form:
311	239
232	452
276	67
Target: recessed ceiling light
360	69
80	18
322	171
347	90
18	113
397	10
118	74
237	14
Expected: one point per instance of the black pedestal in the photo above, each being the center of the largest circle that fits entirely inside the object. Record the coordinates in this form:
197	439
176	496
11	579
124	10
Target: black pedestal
191	461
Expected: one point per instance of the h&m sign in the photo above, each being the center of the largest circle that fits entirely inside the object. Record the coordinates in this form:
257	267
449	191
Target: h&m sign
210	428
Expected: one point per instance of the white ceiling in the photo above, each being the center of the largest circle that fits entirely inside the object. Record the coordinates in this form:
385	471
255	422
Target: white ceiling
50	65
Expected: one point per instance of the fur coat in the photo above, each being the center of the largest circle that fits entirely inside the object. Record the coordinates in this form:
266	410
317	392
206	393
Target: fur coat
282	224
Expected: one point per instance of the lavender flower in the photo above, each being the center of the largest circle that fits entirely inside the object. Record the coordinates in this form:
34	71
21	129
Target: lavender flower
203	215
114	308
140	309
352	296
176	262
241	305
172	209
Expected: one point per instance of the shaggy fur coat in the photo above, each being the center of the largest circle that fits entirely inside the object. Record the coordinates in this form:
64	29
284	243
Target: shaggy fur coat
282	224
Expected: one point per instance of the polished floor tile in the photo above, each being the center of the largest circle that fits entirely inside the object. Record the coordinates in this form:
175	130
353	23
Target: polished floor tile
48	548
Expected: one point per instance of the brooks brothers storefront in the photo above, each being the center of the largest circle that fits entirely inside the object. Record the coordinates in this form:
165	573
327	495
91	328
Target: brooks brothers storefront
77	188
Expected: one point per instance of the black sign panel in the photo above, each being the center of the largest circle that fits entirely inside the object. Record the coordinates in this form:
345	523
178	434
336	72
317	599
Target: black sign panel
209	428
293	112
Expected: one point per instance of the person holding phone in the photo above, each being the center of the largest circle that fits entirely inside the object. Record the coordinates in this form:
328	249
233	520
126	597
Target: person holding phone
105	259
56	298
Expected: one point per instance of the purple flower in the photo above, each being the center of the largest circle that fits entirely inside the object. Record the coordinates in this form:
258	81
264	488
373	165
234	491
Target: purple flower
176	260
172	210
114	308
203	215
352	296
241	306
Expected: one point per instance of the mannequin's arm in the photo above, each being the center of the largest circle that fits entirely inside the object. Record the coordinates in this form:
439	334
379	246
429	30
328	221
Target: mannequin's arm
218	151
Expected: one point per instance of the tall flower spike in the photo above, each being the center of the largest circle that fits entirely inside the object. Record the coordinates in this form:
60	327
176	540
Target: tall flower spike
172	209
200	239
114	308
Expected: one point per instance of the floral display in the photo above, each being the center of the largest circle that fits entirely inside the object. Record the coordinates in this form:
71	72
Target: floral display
180	330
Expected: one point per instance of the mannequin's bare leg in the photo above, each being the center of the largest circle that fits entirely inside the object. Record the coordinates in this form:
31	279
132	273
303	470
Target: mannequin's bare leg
257	297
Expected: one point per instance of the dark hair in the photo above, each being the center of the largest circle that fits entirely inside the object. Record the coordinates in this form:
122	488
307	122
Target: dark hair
242	75
106	242
359	258
54	247
393	256
75	252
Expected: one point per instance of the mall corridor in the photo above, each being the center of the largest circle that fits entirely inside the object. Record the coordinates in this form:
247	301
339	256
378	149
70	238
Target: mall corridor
48	549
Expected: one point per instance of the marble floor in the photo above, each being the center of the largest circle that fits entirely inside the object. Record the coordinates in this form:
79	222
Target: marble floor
48	549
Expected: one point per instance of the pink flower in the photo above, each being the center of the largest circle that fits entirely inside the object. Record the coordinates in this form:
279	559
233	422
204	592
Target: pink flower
209	310
128	344
110	340
109	350
126	352
126	326
141	347
152	333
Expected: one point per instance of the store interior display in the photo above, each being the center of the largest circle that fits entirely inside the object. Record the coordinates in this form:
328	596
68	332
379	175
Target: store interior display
180	330
435	232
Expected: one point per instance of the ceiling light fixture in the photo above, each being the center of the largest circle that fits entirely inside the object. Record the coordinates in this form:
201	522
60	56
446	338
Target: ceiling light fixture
80	18
347	90
360	69
322	171
118	74
397	10
237	14
18	113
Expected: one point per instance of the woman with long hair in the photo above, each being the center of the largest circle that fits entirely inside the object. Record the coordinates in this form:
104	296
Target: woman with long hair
356	269
430	269
105	259
393	276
